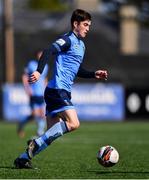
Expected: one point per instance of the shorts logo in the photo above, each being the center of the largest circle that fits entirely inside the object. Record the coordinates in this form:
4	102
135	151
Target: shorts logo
61	42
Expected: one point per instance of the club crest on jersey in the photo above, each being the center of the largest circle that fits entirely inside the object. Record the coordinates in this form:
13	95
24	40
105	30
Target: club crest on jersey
60	42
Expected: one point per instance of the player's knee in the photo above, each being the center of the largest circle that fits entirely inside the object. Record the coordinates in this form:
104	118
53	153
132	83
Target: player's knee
75	125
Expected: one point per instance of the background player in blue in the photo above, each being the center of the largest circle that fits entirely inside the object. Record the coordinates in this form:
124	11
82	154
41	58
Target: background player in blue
61	115
35	92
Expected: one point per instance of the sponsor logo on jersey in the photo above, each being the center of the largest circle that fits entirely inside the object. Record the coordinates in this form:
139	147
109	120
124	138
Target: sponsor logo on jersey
76	46
60	42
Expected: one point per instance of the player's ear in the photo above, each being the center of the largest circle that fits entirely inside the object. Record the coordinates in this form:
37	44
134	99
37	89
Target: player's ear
75	24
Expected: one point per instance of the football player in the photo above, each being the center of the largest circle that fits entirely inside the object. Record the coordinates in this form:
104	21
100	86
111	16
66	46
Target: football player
35	92
61	115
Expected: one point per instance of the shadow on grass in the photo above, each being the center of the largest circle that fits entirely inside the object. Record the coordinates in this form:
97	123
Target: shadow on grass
12	167
7	167
116	172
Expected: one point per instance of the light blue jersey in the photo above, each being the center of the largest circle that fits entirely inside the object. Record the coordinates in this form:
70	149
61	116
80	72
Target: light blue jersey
39	86
69	56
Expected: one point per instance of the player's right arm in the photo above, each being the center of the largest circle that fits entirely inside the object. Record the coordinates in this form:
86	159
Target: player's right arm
60	45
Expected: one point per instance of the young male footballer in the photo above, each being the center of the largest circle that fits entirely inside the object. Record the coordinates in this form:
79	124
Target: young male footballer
61	115
35	92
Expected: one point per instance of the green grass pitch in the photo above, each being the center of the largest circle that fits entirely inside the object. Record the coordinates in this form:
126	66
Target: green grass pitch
73	156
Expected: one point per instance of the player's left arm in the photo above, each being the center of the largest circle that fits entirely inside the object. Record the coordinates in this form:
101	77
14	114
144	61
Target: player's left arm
99	74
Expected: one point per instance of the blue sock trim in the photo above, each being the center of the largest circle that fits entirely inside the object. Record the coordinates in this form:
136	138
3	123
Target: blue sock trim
24	155
64	127
41	148
44	138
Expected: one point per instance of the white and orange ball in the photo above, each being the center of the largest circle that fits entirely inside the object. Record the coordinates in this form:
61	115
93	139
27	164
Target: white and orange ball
108	156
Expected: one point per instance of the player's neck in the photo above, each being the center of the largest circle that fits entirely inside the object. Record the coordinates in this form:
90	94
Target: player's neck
76	34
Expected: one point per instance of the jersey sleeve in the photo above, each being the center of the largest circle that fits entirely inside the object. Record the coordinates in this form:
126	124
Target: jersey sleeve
62	44
83	73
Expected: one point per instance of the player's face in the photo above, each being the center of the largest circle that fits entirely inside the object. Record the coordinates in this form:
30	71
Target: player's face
81	29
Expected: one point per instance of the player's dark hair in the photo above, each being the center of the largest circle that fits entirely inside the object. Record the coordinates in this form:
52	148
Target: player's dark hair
79	15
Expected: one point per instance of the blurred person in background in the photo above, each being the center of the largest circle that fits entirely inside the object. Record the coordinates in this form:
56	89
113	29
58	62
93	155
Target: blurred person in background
35	92
61	115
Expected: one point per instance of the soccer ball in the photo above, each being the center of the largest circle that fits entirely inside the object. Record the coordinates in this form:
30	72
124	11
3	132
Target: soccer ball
107	156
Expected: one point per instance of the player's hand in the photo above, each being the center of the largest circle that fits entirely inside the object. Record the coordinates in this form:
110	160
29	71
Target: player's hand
34	77
101	74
